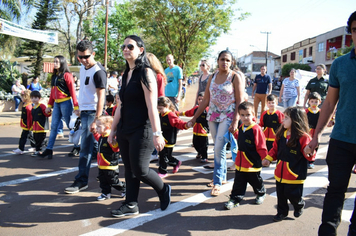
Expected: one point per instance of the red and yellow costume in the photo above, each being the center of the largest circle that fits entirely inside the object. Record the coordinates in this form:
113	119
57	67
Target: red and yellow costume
270	123
313	118
292	164
251	148
63	89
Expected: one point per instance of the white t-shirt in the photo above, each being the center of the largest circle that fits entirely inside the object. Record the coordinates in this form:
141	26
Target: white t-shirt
290	88
113	83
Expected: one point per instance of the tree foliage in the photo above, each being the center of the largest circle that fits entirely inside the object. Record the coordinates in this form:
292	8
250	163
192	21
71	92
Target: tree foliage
121	22
184	28
46	14
8	75
287	67
11	9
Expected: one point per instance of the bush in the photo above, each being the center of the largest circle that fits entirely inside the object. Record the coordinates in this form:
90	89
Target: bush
287	67
8	75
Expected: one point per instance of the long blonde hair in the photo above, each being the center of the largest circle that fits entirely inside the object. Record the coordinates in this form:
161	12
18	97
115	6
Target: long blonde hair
156	65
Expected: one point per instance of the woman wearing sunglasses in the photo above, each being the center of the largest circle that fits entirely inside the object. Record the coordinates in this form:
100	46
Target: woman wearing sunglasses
136	124
203	79
61	97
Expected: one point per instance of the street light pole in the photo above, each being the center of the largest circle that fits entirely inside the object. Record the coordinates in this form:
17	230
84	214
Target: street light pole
106	35
266	44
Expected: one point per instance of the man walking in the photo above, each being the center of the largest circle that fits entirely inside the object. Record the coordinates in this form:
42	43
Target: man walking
263	87
341	156
91	102
174	81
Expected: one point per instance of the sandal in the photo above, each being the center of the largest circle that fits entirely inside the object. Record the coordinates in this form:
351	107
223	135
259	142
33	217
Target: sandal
215	191
211	184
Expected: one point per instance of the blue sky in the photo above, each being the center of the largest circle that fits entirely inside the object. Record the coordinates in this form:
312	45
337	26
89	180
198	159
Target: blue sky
289	21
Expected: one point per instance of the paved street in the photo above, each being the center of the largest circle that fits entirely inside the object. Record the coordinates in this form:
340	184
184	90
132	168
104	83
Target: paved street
32	200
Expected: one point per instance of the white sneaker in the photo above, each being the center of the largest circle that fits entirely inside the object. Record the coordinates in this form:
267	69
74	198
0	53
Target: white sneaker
16	110
104	197
154	158
18	151
32	149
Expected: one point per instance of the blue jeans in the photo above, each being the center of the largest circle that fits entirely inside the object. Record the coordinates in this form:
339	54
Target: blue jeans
218	130
87	145
290	102
60	127
63	109
17	101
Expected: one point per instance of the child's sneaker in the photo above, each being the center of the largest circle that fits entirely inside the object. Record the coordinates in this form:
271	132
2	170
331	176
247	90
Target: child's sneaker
35	154
104	197
198	156
279	217
176	168
231	204
32	149
204	160
162	176
18	151
259	199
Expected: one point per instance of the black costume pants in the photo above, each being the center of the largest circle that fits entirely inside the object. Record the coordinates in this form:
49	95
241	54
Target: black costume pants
165	159
291	192
108	179
200	144
240	184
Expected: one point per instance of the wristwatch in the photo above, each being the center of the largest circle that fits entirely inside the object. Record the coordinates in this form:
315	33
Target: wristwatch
157	133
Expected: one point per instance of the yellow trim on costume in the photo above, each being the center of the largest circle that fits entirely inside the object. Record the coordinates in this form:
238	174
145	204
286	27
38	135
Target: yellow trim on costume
183	113
62	91
243	169
243	153
166	113
270	139
199	134
290	171
40	125
59	100
285	134
286	181
268	157
108	167
76	108
24	128
169	145
115	145
250	126
106	161
317	110
50	106
40	131
272	112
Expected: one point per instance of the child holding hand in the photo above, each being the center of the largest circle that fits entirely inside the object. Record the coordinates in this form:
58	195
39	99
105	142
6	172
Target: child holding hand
108	162
292	161
170	124
251	150
200	130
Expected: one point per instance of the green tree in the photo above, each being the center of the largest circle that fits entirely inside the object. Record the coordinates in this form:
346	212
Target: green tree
121	22
8	75
287	67
46	14
345	50
11	9
184	28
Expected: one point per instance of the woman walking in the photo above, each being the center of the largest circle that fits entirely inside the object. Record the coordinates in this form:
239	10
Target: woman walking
290	90
136	123
61	97
223	93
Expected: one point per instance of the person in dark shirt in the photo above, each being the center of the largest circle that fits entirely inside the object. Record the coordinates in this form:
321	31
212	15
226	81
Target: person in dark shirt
262	87
318	84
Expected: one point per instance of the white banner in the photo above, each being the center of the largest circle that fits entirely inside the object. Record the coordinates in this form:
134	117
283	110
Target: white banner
9	28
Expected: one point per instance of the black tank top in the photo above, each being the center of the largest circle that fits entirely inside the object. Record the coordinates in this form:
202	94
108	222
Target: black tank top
134	113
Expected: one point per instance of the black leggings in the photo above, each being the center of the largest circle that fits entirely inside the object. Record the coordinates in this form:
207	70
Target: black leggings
136	149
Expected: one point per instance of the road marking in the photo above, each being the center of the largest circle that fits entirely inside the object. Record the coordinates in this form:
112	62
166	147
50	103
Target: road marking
42	176
26	152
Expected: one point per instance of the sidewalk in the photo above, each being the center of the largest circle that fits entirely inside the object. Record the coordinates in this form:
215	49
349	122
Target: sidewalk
10	118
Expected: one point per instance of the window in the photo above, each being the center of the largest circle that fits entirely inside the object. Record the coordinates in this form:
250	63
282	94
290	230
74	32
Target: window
284	58
305	53
320	47
257	66
292	56
311	51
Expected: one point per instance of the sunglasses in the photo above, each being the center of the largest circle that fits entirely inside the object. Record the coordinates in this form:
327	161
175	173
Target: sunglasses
84	57
129	46
202	65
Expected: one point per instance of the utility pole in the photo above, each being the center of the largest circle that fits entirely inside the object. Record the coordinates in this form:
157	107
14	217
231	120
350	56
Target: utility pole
266	44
